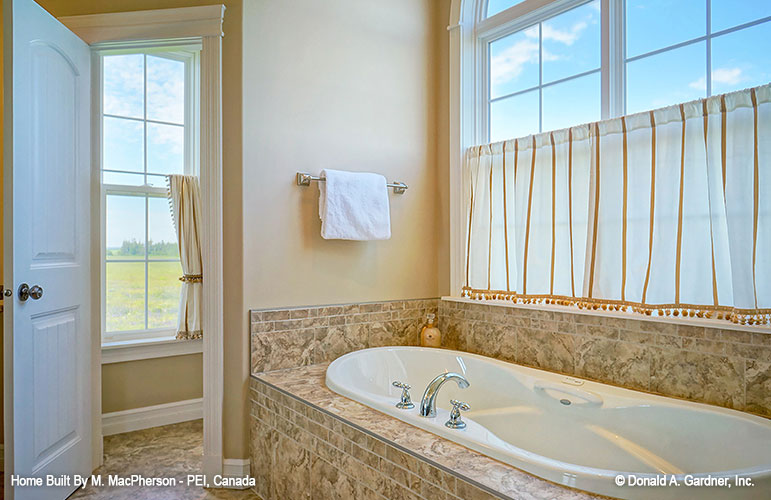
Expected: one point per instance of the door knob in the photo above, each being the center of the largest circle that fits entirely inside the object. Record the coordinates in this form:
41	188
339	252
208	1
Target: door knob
25	292
36	292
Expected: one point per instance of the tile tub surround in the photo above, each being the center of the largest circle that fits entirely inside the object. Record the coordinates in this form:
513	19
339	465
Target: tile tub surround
308	442
291	337
720	366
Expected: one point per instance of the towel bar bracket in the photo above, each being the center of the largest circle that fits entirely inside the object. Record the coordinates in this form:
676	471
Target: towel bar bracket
304	179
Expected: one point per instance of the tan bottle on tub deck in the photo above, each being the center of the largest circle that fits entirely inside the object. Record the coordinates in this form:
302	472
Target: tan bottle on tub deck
430	336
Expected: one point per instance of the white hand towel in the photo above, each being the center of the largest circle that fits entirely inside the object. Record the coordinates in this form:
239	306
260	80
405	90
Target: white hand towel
354	206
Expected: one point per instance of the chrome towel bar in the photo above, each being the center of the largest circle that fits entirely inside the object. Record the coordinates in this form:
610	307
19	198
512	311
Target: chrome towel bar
304	179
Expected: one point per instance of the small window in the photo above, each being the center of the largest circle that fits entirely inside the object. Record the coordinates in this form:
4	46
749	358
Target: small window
546	76
148	131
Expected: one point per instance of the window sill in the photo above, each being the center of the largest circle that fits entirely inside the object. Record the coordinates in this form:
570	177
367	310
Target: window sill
705	322
162	347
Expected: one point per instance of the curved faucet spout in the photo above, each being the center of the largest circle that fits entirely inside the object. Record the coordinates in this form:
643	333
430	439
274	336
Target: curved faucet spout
428	403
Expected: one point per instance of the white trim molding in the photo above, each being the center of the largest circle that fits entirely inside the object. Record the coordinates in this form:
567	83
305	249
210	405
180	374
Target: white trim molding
463	123
203	24
211	199
236	468
120	352
146	417
183	22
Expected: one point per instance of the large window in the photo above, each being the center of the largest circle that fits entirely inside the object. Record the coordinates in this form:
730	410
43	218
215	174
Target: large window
551	65
148	131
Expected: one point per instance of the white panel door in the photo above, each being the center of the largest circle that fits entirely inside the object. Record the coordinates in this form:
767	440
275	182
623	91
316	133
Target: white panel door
51	223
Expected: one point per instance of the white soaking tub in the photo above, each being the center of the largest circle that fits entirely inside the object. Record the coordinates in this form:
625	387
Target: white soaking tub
570	431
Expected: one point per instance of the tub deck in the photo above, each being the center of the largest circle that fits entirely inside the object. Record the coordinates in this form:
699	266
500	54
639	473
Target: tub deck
368	451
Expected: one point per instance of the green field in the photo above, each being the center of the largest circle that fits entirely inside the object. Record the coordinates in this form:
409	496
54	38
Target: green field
125	283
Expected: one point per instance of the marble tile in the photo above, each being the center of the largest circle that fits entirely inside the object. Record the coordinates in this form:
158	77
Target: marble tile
762	338
291	471
709	378
468	491
334	341
264	440
169	451
547	350
394	332
611	361
329	483
494	340
455	334
291	337
758	387
276	351
756	352
735	336
703	345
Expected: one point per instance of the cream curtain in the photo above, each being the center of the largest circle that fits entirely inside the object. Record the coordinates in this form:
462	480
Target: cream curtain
185	200
663	212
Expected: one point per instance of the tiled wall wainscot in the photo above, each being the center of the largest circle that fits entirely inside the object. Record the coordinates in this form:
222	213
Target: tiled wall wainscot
286	338
715	365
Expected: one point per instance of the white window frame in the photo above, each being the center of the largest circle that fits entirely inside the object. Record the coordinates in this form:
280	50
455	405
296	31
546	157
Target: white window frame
533	12
189	53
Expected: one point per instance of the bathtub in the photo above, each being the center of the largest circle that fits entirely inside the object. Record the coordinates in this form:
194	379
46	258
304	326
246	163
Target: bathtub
567	430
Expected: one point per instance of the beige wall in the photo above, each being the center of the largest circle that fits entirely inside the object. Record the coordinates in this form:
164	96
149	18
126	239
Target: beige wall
342	84
149	382
441	72
234	313
345	84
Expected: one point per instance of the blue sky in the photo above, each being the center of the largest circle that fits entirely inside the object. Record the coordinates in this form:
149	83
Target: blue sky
571	45
124	142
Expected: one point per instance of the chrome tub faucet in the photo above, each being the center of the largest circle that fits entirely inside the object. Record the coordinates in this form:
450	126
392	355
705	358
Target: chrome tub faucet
428	403
404	401
456	422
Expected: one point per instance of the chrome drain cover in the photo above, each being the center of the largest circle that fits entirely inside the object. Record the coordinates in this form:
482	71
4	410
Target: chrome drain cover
565	402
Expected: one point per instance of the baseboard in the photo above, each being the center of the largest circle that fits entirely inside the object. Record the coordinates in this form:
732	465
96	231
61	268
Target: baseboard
236	467
151	416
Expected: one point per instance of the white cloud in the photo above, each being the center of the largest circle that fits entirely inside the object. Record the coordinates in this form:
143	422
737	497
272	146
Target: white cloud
169	137
568	37
165	89
124	87
699	84
725	76
729	76
508	65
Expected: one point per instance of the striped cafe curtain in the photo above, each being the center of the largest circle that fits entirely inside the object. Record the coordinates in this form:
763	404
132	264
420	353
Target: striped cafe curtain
666	212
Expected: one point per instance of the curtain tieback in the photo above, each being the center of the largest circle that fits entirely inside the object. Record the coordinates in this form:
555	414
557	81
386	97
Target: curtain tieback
192	278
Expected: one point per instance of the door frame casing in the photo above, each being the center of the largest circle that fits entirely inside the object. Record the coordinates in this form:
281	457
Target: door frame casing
7	263
204	23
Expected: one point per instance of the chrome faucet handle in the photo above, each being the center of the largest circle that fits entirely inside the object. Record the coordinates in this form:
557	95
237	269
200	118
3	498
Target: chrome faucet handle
455	421
405	402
